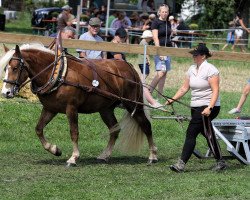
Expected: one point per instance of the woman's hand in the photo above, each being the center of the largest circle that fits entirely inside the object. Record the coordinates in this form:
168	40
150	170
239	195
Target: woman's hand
206	111
169	101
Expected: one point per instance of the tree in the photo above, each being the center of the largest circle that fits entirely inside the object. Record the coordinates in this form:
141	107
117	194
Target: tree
215	14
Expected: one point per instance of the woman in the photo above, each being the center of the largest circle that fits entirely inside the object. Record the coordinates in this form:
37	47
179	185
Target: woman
161	29
203	80
243	98
239	26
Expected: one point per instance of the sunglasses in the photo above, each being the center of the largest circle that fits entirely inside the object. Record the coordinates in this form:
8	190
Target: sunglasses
95	26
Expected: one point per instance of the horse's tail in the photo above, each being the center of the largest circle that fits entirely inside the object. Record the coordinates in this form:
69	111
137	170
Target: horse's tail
131	137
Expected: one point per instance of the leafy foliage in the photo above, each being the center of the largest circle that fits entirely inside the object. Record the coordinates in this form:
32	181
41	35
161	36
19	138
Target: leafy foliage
216	13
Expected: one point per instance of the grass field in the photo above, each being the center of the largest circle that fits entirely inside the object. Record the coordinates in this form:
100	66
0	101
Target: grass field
27	171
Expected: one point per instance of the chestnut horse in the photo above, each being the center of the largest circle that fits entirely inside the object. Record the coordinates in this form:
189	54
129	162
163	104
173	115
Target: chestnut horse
78	86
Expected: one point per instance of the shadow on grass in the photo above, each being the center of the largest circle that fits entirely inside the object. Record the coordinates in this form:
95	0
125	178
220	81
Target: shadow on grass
125	160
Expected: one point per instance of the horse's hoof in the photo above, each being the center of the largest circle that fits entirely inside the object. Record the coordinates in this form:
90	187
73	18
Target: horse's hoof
102	160
58	152
68	165
151	161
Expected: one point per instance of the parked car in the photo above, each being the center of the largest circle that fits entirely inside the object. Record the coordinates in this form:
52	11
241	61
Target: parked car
43	13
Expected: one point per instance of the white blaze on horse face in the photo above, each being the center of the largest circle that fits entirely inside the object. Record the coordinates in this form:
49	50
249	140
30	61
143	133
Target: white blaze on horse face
6	87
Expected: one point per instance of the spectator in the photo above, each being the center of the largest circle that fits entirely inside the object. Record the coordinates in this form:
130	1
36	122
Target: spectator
113	15
151	5
147	37
148	22
161	29
243	98
203	80
230	35
63	18
92	35
181	29
120	37
239	26
119	22
68	33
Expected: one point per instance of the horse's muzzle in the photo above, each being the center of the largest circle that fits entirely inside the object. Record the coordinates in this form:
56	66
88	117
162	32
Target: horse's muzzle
8	95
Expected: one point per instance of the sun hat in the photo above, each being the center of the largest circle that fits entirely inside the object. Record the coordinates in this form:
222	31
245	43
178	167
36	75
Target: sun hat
121	32
147	34
95	21
171	17
66	7
201	49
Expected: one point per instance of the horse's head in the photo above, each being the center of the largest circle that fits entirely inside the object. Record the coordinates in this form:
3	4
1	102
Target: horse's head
15	74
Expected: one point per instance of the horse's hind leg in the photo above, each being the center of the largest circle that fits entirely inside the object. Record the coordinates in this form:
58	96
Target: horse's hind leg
110	120
45	118
145	125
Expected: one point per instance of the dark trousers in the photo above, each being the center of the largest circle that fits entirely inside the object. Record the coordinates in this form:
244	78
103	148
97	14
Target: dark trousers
195	127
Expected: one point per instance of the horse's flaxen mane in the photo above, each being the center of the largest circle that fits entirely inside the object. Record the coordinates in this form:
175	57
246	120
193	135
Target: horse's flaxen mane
6	58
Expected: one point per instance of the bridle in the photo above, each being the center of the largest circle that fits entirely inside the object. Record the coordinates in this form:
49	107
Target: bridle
16	82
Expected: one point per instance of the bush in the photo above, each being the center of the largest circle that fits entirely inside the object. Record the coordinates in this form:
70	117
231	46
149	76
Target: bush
193	26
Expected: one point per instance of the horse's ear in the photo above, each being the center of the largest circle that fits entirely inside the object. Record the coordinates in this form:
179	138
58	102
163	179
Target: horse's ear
5	48
17	50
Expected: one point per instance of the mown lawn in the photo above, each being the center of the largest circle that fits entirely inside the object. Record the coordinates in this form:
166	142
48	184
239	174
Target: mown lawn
29	172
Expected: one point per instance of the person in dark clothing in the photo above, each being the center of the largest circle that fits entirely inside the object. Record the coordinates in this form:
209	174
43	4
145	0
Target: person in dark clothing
120	37
185	38
161	29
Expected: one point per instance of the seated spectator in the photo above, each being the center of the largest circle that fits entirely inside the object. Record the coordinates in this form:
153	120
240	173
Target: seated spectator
148	22
121	36
119	22
92	35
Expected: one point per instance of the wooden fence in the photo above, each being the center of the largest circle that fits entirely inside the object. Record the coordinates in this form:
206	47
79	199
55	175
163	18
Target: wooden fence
126	48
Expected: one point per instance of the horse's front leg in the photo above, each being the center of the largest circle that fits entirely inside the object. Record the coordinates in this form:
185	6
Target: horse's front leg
45	118
72	115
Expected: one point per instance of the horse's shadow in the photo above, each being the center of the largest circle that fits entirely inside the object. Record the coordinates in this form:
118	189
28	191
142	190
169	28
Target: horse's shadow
125	160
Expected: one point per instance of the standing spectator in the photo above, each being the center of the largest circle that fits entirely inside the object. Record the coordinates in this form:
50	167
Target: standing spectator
151	5
92	35
147	37
185	40
161	29
63	18
243	98
239	27
203	80
230	35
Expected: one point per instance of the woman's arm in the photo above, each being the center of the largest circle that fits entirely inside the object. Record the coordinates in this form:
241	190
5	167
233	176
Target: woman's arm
155	37
243	25
181	92
214	82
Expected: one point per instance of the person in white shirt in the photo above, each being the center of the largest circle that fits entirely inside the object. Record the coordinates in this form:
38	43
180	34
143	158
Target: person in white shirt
203	80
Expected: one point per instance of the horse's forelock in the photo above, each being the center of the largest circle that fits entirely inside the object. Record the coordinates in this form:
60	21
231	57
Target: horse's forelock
5	60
